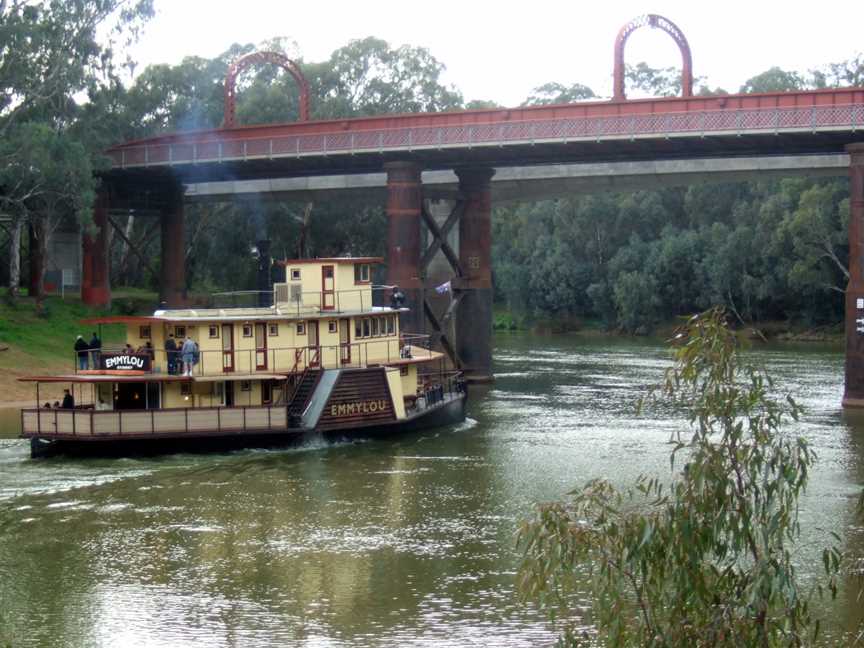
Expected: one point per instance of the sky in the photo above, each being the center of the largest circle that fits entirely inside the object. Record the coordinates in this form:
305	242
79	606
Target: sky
500	51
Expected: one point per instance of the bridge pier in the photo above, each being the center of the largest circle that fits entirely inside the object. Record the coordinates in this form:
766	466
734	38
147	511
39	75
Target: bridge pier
172	273
853	395
95	285
474	312
404	207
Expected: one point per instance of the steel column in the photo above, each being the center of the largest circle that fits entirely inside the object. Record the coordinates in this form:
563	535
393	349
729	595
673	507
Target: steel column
172	284
404	206
853	395
95	285
474	311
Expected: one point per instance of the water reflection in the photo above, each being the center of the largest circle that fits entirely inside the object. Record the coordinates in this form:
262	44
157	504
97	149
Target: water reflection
406	542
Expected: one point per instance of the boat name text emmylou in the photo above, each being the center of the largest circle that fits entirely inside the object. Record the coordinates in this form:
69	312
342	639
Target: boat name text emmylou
363	407
125	362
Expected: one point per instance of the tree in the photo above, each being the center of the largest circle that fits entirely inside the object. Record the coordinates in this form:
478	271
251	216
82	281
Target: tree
368	77
848	74
818	232
774	80
47	177
656	82
702	561
50	52
557	93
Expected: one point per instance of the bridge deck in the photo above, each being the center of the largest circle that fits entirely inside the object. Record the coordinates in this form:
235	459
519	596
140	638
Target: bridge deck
822	121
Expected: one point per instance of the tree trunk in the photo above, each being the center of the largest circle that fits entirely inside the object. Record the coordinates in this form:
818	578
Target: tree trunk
36	264
40	227
126	253
15	257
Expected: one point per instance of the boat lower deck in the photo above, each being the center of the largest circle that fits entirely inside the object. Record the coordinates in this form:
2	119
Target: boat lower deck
94	425
240	428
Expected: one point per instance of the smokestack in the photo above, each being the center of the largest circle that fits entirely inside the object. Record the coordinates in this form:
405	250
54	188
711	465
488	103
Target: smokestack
264	282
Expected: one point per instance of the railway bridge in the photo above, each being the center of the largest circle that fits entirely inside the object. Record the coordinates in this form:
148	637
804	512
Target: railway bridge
469	157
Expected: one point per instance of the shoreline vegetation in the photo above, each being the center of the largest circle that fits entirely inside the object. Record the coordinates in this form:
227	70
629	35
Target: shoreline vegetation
767	331
42	343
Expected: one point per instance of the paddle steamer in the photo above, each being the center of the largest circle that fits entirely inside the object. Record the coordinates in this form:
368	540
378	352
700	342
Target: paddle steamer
320	357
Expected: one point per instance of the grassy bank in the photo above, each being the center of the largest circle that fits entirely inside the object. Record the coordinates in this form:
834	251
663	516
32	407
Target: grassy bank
40	343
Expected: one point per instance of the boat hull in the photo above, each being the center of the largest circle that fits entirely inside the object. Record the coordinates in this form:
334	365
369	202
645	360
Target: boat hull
441	414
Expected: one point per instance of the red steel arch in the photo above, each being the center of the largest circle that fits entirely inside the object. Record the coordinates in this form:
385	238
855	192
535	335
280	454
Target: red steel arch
652	20
230	118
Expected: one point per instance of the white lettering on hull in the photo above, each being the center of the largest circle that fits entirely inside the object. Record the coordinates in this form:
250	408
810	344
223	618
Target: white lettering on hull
362	407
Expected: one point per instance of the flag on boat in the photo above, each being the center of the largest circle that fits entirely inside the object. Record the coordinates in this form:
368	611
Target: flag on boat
443	288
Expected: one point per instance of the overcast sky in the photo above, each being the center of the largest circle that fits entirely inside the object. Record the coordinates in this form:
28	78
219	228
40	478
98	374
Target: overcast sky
501	50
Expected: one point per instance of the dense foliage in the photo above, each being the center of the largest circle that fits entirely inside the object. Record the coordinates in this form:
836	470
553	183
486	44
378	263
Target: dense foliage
766	250
51	52
706	558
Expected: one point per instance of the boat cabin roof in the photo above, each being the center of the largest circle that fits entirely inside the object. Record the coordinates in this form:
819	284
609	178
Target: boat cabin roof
233	315
329	260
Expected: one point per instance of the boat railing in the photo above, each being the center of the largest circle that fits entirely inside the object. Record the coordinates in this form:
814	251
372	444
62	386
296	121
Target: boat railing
290	299
280	360
437	387
192	421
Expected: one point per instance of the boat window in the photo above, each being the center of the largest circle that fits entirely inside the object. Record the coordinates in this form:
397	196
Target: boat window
331	326
245	385
295	274
375	327
186	389
391	325
403	371
361	273
214	331
273	330
366	327
144	332
301	328
247	330
180	331
266	392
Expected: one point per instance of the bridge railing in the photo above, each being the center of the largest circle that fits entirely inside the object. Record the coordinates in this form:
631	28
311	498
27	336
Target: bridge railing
801	118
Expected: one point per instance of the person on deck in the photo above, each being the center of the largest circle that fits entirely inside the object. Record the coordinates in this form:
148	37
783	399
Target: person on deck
81	350
95	350
188	356
171	352
68	400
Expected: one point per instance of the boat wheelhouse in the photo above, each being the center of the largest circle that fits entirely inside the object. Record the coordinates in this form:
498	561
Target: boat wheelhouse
322	353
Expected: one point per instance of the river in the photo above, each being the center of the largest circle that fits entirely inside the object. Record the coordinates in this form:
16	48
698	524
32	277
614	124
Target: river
406	541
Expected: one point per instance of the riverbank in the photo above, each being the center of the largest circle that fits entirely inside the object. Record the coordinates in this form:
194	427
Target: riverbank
766	331
42	342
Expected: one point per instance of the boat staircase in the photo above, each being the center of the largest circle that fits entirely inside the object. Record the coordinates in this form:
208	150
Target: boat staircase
302	394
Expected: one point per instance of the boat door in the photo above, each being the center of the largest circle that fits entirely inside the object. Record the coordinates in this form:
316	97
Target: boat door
314	349
229	393
328	288
345	340
227	347
260	346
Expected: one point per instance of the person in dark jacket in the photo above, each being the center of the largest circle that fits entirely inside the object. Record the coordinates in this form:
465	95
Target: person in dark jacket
95	349
81	350
68	401
171	352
